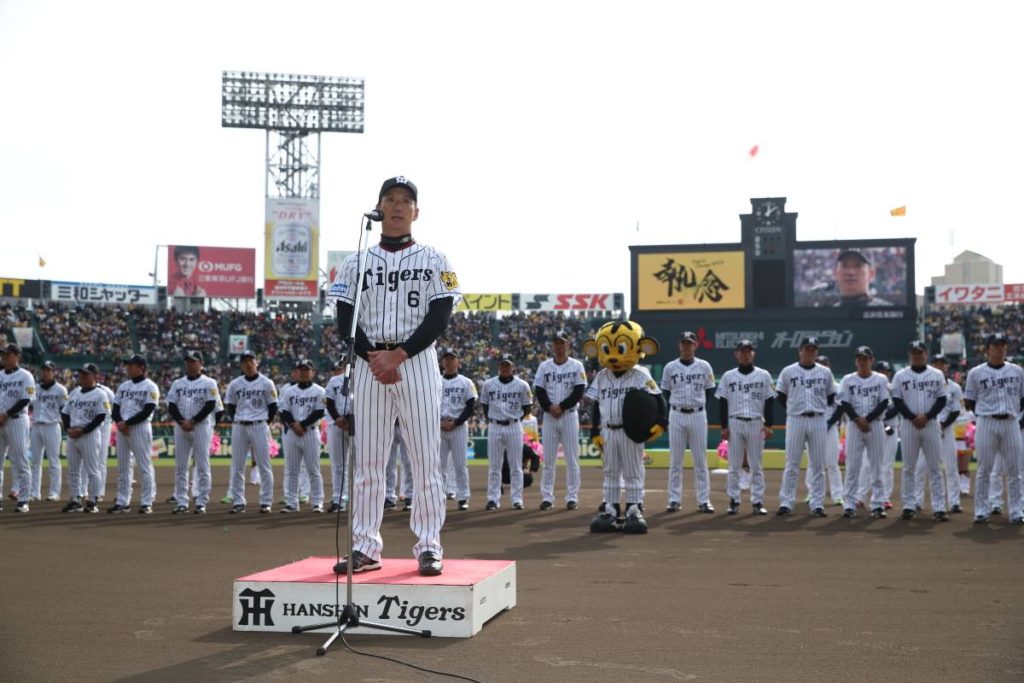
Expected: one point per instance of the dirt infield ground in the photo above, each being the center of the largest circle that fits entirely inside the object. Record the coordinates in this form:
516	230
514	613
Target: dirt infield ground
147	598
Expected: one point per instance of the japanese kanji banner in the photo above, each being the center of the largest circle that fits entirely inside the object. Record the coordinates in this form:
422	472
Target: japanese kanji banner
96	293
695	280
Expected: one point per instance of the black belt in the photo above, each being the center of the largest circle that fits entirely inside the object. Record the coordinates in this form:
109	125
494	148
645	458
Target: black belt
1001	416
698	409
614	426
745	419
246	423
504	423
810	413
387	346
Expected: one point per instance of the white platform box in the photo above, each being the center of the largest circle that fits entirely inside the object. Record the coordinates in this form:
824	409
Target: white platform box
453	605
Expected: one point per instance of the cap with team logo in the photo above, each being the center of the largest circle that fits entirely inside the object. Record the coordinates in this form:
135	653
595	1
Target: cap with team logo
745	344
917	345
90	368
49	365
506	359
449	352
688	336
825	360
136	359
995	338
854	254
304	363
864	352
560	335
882	366
11	348
810	341
938	358
194	355
247	354
399	181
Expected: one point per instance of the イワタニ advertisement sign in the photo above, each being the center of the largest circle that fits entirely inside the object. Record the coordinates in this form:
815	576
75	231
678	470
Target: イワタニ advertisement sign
200	271
90	293
694	280
291	262
979	293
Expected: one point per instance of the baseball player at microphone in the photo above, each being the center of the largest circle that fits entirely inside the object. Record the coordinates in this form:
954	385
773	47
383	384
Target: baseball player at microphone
807	392
134	403
17	389
919	393
686	382
408	294
995	393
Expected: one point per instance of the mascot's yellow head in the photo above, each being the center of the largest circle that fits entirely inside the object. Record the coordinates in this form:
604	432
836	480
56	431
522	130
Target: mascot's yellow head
620	345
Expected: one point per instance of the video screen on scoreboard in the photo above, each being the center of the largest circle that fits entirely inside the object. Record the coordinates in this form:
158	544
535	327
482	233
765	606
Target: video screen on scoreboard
852	275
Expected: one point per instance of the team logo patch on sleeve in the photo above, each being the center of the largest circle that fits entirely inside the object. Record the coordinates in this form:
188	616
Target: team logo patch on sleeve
338	289
449	279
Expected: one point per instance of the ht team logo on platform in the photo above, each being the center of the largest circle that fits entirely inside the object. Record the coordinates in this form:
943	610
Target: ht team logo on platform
256	604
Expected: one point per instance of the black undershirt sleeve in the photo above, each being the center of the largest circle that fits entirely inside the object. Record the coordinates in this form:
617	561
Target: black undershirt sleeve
723	412
208	408
769	412
176	415
902	408
141	416
115	413
969	404
230	408
662	411
595	420
574	398
96	422
782	398
466	413
877	412
837	414
950	419
433	324
313	418
343	314
848	409
940	403
271	412
65	419
332	409
542	398
18	407
286	417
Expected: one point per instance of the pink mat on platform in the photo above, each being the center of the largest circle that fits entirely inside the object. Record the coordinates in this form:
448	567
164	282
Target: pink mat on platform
320	570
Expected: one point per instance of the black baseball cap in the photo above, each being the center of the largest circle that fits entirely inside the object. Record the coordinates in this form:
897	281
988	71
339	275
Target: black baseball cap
938	358
810	341
90	368
247	354
917	345
136	359
864	351
506	359
853	253
10	348
560	335
882	366
825	360
304	363
745	344
48	365
399	181
995	338
688	336
194	355
449	352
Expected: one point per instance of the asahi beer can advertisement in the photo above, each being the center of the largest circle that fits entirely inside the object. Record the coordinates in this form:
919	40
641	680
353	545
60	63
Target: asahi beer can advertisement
292	236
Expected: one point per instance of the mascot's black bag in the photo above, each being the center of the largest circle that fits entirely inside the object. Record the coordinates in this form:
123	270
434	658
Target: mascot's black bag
639	414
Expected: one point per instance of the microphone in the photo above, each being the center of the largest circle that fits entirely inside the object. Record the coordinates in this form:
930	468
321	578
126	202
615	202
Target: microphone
375	215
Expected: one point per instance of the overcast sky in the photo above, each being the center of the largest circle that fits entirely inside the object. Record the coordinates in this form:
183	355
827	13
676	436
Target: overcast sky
540	133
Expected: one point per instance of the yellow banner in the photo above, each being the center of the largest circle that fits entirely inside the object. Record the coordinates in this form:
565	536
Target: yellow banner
485	302
898	211
691	280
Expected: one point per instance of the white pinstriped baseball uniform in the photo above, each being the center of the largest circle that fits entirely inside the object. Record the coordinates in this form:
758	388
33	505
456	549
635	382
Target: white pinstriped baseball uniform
688	384
398	462
833	475
339	444
16	385
891	446
919	389
303	402
104	446
996	392
951	475
864	450
84	451
504	403
746	394
397	291
45	436
250	433
807	392
623	458
131	399
558	381
456	392
190	395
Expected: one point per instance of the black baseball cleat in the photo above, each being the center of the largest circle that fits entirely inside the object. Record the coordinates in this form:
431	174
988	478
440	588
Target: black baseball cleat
360	563
941	516
91	507
72	506
22	506
706	508
878	513
117	509
430	564
908	513
335	507
546	505
491	505
517	506
980	519
759	509
782	511
264	509
450	496
734	507
673	506
237	510
956	509
145	509
287	509
389	504
818	512
463	504
571	505
172	500
1018	521
199	510
997	510
917	507
181	509
408	505
849	513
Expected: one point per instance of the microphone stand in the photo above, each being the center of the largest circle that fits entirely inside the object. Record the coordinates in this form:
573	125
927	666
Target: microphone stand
347	616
